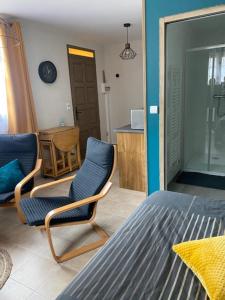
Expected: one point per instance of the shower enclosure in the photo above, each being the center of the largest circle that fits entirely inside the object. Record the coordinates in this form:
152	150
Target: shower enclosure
204	110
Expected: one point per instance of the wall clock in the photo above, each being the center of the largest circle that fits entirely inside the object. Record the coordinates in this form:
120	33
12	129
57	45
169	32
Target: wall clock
47	71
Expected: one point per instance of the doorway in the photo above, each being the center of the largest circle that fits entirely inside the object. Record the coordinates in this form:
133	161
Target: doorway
192	99
83	81
206	114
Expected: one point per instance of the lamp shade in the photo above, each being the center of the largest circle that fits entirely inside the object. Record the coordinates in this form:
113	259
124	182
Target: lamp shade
128	52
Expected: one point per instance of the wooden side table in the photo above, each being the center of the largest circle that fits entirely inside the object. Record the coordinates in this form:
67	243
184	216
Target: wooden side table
60	150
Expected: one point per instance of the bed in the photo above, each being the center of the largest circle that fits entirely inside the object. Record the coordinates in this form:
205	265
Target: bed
138	263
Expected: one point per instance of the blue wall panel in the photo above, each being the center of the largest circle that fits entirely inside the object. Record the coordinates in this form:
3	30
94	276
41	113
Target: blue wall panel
155	9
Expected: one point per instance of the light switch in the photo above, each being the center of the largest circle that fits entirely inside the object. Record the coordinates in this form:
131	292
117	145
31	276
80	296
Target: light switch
68	106
153	109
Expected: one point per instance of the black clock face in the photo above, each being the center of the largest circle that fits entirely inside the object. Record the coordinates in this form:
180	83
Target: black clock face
47	72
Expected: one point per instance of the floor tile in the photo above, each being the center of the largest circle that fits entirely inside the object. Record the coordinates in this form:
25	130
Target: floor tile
60	278
13	290
36	296
35	274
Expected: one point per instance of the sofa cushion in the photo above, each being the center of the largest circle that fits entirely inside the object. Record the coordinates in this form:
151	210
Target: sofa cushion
206	259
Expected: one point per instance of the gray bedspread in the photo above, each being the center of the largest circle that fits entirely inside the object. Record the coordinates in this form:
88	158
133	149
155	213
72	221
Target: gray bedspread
138	263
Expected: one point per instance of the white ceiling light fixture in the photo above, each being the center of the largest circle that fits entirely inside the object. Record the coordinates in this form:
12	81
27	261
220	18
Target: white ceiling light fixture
128	52
7	37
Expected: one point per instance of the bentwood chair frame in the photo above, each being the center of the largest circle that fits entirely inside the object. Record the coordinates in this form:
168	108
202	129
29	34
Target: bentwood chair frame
93	199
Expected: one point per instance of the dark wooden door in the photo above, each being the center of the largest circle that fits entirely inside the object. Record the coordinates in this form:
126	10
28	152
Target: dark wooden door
84	97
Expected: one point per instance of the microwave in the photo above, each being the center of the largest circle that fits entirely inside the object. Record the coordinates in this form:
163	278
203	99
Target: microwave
137	118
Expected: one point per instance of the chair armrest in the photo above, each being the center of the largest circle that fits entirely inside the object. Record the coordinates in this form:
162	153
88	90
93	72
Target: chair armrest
25	180
49	184
77	204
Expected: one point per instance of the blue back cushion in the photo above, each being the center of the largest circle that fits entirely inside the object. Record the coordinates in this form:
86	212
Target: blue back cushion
10	175
22	147
94	172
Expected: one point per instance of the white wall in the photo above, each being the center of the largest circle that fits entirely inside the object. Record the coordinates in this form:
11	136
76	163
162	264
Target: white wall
43	42
126	91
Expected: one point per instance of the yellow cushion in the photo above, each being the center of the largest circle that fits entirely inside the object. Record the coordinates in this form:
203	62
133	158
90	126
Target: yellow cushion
206	259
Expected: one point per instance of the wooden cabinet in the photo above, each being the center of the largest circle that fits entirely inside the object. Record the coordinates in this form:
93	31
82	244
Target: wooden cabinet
60	150
131	160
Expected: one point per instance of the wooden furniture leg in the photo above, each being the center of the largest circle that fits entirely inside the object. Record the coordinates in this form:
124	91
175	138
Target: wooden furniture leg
83	249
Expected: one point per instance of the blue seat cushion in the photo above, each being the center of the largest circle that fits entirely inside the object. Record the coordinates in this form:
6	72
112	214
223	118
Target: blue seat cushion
94	172
6	197
22	147
10	175
36	209
19	146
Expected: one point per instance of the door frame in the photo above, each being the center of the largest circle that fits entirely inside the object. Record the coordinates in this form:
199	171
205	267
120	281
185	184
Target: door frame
163	22
145	105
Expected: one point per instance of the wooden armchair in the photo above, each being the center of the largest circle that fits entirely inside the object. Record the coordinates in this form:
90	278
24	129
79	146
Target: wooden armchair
89	185
23	147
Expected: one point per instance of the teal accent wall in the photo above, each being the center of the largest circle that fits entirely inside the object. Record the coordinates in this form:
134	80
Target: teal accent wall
154	10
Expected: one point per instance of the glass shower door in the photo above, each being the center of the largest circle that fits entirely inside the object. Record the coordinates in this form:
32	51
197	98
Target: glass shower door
197	112
204	110
217	128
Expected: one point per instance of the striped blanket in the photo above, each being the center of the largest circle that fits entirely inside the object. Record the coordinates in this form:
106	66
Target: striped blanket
138	263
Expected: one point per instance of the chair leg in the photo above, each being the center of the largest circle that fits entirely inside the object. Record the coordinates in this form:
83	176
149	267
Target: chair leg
21	215
78	251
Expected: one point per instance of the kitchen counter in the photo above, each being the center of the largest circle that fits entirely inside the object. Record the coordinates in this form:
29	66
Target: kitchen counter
127	128
131	158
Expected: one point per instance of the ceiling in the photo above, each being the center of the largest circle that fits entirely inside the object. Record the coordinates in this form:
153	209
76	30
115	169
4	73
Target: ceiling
98	20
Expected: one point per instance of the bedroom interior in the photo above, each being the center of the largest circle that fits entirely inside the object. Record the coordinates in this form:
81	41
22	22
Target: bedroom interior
95	118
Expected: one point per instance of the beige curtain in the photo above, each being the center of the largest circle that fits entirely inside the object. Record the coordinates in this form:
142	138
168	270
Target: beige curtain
21	111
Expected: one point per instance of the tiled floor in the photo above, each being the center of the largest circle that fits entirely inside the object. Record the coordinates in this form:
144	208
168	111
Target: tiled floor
35	275
197	190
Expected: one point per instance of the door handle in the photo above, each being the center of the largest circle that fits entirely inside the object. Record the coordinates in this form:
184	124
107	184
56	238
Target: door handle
77	112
